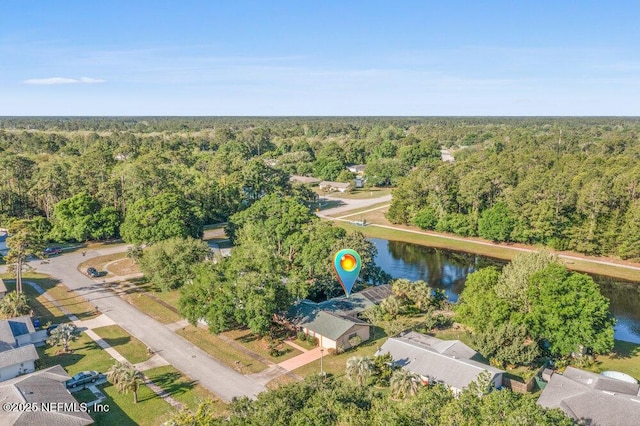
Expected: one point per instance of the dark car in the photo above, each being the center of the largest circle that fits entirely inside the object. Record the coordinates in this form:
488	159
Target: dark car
51	251
93	272
83	378
51	328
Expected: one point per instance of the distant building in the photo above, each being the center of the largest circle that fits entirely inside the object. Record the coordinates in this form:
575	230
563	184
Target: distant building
446	156
335	186
17	351
304	180
358	182
592	398
357	168
39	389
449	362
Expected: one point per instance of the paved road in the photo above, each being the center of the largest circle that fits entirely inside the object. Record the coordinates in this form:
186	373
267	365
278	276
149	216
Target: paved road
348	204
184	356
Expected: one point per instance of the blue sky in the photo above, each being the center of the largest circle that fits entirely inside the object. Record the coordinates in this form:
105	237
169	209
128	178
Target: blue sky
307	57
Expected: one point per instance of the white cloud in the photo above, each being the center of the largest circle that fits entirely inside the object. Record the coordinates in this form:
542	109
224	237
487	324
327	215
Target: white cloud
63	80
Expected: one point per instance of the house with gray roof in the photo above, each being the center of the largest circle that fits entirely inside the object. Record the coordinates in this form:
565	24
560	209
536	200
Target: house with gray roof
332	329
335	186
306	180
17	351
449	362
44	388
592	398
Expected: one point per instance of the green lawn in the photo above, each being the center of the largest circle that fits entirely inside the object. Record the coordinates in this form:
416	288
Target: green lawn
73	303
221	350
86	355
84	395
181	388
625	358
304	343
150	410
128	346
260	346
152	308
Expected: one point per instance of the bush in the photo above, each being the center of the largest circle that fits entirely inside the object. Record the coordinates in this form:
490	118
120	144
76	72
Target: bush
355	341
301	335
426	218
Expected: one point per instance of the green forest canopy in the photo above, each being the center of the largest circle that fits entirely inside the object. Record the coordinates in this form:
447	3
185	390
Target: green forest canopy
568	183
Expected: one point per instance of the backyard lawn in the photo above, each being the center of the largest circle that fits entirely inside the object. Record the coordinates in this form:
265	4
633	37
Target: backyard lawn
86	355
150	409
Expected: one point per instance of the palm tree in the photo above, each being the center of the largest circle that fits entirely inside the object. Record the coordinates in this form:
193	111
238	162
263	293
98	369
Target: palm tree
14	304
126	378
359	368
64	334
404	383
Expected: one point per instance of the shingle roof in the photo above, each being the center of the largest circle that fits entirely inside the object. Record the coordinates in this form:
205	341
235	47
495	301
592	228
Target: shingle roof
303	179
18	355
308	315
41	386
12	328
594	398
436	359
335	184
357	302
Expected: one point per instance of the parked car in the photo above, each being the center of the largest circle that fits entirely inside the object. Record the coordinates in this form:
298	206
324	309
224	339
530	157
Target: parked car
50	251
93	272
83	378
51	328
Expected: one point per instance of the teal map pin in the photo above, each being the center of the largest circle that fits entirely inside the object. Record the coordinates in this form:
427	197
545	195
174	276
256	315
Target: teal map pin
347	264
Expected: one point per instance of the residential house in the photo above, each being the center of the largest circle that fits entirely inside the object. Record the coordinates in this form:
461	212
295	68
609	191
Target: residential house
357	168
450	362
332	329
17	351
335	186
306	180
44	388
3	289
593	399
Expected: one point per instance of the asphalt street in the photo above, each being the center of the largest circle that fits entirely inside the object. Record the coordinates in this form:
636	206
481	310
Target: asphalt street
181	354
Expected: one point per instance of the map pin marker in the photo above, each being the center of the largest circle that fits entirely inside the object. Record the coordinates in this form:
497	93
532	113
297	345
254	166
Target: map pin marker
347	264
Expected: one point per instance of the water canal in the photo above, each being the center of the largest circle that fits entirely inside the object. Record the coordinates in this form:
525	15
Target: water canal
448	270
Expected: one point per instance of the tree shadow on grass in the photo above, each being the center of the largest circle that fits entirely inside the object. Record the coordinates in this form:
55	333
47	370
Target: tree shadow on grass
173	383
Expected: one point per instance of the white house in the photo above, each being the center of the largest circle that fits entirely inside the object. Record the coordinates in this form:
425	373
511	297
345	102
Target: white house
17	351
38	389
335	186
449	362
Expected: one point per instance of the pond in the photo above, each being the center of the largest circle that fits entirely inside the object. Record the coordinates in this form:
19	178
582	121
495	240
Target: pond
448	270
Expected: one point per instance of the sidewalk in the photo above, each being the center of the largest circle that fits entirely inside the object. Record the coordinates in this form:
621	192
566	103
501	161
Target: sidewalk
101	321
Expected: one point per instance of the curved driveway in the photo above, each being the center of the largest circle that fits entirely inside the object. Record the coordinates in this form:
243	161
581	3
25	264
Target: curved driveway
181	354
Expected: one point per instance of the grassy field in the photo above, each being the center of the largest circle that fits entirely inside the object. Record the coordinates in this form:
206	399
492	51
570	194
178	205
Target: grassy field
128	346
84	395
123	267
182	389
99	262
152	308
149	411
259	346
221	350
625	358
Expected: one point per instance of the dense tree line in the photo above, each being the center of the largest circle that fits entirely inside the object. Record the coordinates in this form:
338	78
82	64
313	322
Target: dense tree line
570	183
535	307
337	402
575	188
282	252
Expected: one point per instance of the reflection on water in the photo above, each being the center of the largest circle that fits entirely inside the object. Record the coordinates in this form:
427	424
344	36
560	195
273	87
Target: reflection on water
448	270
